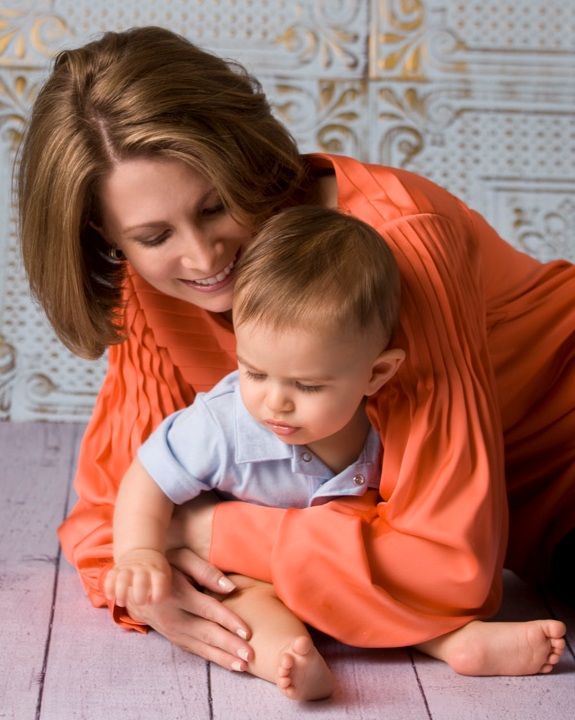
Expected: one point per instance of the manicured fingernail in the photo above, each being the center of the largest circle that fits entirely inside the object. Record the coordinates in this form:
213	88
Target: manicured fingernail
242	633
243	653
226	584
237	666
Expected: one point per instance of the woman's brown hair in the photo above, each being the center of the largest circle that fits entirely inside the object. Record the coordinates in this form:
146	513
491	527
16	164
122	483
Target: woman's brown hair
146	92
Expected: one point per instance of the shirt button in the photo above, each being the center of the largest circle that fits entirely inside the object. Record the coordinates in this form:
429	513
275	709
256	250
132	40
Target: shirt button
359	480
306	457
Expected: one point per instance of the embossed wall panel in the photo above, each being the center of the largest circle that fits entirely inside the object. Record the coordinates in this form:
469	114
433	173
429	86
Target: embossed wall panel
478	96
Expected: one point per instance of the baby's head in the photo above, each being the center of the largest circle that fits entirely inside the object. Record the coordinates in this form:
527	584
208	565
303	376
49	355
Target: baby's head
317	269
316	303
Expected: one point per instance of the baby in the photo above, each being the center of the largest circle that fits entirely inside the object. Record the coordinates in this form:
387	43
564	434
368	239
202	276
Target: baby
289	428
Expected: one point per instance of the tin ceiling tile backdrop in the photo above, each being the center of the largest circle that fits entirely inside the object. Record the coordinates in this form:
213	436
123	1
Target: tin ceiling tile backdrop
477	96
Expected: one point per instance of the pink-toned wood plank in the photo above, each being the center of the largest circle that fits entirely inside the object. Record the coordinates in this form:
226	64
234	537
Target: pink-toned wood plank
372	685
452	697
34	471
98	671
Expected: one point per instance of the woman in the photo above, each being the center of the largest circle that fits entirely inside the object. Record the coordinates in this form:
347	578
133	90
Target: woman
146	167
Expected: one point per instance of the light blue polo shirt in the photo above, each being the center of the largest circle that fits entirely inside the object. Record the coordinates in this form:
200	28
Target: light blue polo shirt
215	444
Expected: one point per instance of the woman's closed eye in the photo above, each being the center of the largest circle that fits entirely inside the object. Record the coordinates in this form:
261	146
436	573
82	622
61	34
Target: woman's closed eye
155	240
214	209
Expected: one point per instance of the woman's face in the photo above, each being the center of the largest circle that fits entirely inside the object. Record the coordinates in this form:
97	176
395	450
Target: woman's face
171	225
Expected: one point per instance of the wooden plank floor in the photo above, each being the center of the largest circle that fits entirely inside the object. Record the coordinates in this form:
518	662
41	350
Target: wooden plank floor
62	660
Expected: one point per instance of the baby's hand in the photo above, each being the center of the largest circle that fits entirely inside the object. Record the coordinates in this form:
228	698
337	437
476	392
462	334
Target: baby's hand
143	575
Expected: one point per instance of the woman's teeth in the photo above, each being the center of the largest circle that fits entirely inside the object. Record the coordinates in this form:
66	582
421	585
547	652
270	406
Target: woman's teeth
219	277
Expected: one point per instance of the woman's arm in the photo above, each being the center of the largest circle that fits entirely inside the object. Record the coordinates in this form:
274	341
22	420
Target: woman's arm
428	559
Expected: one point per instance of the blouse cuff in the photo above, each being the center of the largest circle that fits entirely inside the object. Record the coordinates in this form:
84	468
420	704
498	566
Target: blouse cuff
121	617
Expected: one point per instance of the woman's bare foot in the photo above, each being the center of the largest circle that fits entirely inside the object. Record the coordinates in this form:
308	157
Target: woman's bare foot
302	673
501	648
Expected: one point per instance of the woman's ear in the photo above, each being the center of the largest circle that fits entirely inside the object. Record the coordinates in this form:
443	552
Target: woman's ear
97	229
384	368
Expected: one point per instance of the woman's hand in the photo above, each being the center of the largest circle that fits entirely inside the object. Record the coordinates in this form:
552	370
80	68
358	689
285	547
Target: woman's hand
195	621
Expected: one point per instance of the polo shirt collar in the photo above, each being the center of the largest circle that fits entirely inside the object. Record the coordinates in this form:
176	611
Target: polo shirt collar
255	443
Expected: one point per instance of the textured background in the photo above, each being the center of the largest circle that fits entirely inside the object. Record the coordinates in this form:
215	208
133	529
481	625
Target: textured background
479	96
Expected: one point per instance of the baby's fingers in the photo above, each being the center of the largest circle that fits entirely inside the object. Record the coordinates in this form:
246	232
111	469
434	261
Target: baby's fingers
160	586
117	585
125	584
141	588
110	584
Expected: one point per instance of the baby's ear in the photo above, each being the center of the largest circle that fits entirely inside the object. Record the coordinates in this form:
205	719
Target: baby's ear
384	368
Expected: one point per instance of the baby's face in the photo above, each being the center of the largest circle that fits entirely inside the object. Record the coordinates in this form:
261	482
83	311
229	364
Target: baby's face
303	386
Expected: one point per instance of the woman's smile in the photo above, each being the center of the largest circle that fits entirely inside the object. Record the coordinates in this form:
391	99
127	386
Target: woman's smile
215	282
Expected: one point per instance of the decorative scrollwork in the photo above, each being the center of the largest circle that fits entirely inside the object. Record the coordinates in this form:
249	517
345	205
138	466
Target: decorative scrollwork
325	34
545	233
402	42
29	32
415	40
7	375
400	145
17	92
333	114
403	121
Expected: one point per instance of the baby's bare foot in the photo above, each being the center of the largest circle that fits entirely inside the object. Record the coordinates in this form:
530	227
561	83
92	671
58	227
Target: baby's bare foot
302	673
502	648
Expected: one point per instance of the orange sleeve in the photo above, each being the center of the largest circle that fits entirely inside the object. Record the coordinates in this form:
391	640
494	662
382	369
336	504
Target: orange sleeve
428	558
140	388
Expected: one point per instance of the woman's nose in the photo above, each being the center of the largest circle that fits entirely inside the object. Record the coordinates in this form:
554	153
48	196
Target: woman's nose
198	252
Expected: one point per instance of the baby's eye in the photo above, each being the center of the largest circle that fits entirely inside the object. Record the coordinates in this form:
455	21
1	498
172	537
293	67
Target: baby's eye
254	376
309	388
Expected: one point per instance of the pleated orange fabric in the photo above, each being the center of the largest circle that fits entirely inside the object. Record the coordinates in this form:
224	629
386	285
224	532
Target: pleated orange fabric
480	416
173	350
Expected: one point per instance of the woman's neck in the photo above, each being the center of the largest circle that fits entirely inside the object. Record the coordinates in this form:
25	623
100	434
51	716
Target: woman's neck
327	191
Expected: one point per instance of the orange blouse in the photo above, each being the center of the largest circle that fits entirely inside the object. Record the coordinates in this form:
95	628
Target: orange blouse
479	418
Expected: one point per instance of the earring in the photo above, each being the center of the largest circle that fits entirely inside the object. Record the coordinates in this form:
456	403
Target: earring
114	253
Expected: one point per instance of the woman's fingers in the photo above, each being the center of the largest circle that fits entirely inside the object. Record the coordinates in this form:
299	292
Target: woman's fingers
199	624
201	604
200	571
225	653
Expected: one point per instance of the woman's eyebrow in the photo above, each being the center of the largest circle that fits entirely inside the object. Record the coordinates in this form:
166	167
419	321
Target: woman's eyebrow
140	226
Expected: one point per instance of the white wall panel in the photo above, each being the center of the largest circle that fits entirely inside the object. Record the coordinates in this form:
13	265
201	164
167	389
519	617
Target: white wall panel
478	96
